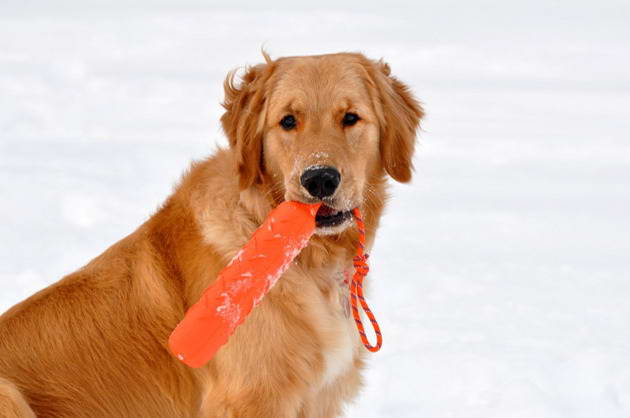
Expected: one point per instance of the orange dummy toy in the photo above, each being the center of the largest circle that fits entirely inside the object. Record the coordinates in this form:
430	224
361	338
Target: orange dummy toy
243	283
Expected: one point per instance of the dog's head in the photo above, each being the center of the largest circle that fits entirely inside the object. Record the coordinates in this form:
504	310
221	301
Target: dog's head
321	128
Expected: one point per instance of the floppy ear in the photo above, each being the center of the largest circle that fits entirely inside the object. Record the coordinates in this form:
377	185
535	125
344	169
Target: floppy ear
399	116
244	119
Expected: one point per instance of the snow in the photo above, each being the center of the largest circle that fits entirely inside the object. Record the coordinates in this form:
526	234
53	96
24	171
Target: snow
499	276
230	311
236	258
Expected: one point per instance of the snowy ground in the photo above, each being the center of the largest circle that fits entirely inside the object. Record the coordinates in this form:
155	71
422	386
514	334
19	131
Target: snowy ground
500	275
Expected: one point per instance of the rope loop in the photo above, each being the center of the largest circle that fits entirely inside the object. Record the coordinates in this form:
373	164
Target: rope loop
361	270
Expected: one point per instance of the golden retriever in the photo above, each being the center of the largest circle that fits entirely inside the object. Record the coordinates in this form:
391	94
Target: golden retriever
327	128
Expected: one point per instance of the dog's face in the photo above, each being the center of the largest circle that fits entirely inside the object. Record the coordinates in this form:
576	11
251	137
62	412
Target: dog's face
321	128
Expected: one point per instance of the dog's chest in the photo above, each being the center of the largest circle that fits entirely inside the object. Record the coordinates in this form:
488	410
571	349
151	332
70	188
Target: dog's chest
339	336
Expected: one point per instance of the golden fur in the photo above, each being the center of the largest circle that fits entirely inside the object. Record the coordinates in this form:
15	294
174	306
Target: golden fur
94	343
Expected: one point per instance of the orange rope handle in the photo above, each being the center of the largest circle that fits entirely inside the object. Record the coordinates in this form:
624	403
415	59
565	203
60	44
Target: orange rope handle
361	270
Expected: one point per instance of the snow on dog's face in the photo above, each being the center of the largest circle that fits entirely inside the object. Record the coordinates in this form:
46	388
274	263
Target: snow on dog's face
321	128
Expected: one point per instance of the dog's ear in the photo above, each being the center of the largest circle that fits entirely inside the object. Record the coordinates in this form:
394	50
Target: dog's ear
244	119
399	115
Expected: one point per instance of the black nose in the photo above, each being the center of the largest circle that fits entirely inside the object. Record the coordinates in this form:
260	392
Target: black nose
320	181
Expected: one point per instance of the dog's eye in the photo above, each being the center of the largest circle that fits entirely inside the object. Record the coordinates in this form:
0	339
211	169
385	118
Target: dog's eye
350	119
288	122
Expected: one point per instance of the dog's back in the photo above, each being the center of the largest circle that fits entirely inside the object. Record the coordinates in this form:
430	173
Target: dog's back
90	345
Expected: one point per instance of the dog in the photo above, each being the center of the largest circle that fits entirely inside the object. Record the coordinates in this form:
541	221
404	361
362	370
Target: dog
328	128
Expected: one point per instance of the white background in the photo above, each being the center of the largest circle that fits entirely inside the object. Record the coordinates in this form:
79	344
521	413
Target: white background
500	274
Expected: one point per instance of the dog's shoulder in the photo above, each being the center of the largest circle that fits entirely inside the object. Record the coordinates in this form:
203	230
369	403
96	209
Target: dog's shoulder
225	215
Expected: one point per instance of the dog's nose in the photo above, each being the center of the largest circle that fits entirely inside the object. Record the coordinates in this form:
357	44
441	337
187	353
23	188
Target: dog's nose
320	181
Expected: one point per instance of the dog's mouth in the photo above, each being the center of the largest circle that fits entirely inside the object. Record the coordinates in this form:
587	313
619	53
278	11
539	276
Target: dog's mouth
328	217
